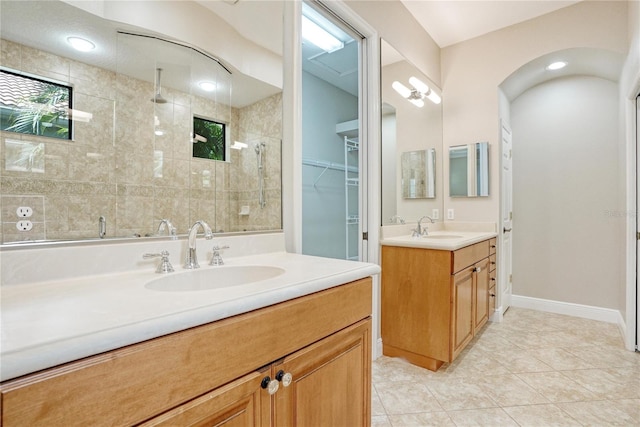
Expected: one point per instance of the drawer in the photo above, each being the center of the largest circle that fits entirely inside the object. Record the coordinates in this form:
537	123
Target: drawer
492	245
492	277
492	300
469	255
492	262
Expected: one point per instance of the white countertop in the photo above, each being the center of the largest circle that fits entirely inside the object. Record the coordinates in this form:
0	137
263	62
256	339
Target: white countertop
441	240
48	323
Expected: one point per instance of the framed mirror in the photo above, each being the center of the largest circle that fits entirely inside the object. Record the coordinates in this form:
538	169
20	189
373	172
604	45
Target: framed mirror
418	174
411	142
158	128
469	170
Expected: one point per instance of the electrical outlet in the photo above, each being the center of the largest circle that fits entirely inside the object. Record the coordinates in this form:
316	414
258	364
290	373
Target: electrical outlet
24	212
24	225
450	214
435	214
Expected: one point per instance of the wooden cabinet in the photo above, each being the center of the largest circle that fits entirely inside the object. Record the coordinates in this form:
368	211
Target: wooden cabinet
214	374
433	301
492	276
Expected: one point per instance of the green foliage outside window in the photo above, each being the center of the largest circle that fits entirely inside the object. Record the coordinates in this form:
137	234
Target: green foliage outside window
209	139
33	106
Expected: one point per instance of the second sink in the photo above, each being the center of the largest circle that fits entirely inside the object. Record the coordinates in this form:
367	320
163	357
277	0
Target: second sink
214	278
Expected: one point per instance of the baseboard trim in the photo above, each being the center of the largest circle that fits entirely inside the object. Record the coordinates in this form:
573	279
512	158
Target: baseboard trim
378	349
570	309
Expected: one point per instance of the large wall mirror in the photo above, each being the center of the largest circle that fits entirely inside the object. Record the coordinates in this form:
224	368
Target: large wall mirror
153	128
412	184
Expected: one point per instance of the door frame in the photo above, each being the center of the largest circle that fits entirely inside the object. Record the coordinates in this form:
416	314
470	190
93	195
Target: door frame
370	129
504	257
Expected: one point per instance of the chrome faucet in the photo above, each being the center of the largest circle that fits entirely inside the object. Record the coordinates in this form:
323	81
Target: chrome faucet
166	223
397	219
418	231
191	261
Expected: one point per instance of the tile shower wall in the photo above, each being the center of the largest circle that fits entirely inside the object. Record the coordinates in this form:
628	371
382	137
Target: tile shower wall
118	168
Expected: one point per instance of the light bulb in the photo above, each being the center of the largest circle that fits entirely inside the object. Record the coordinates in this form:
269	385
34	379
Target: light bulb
417	102
315	34
207	86
434	97
404	91
556	65
83	45
418	84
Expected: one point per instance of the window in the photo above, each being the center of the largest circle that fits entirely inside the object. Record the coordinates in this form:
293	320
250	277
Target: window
209	139
34	106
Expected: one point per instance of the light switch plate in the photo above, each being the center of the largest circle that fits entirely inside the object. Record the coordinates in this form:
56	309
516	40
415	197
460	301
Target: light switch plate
450	214
435	214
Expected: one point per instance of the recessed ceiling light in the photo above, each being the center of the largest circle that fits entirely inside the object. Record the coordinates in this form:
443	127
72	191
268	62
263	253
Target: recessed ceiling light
83	45
556	65
208	86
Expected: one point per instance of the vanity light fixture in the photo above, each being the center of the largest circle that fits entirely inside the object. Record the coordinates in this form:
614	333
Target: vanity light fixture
417	93
315	34
207	86
556	65
83	45
237	145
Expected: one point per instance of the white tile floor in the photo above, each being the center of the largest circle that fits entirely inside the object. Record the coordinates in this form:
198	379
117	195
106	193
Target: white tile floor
532	369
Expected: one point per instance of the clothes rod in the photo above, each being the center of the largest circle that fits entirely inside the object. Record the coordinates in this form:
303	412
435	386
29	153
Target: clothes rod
328	165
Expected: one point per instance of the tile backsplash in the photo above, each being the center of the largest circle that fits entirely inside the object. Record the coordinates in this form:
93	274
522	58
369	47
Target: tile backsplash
117	167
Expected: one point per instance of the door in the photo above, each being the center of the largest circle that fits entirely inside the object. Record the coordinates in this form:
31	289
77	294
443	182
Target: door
241	403
506	219
637	224
462	313
322	375
333	140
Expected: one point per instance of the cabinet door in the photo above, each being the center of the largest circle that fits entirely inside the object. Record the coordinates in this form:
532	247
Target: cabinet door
331	382
481	293
462	310
238	404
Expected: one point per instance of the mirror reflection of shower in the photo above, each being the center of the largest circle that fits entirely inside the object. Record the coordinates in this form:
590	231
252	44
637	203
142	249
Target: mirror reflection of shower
260	147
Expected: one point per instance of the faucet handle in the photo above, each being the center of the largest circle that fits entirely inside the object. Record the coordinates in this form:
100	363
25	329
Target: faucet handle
165	266
216	259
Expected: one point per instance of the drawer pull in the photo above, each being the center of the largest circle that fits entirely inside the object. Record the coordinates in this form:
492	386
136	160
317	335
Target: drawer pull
477	270
493	279
284	378
270	385
492	295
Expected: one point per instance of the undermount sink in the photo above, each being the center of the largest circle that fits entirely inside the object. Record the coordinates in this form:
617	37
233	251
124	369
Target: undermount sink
442	236
214	278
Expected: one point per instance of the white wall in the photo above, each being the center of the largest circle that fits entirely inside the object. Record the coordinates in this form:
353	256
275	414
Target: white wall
566	195
473	70
400	29
323	205
629	88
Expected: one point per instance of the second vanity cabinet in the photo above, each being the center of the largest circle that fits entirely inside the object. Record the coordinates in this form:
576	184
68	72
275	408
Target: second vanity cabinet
433	301
316	349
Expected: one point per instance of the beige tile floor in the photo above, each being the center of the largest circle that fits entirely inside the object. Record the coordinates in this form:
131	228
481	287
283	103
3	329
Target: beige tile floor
532	369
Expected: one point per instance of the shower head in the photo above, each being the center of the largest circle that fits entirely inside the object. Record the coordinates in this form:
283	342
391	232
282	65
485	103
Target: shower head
158	98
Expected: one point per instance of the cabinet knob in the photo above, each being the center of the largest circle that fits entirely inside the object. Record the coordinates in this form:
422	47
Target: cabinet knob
493	279
492	295
270	385
477	270
284	377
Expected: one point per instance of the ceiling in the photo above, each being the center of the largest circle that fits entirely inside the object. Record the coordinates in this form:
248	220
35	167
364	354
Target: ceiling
452	21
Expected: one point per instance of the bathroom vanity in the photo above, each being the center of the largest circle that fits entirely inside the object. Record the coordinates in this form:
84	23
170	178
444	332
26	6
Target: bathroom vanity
288	350
436	294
